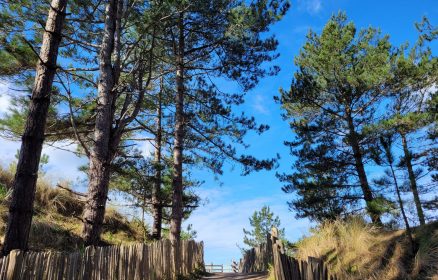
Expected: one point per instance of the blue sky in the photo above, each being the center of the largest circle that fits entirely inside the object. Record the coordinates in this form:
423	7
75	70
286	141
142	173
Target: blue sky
220	222
231	200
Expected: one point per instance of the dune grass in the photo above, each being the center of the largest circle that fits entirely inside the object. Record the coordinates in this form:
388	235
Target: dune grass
57	220
354	249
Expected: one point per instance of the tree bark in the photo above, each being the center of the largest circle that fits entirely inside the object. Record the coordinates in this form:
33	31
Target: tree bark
402	209
101	154
358	159
412	179
24	185
177	180
157	210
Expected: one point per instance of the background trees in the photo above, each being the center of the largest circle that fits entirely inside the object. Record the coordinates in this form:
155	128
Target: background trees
261	222
133	71
135	179
413	83
207	41
334	94
130	72
354	92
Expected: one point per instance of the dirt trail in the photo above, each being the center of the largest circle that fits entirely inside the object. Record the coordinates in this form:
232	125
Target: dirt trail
238	276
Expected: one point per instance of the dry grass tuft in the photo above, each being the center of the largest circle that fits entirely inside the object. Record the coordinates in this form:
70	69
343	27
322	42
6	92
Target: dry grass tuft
354	249
117	229
271	273
426	259
348	247
57	224
6	178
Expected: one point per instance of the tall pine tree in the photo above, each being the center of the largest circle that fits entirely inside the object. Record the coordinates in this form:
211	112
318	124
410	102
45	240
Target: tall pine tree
341	76
24	185
206	42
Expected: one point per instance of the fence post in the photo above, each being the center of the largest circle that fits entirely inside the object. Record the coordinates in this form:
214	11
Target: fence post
235	266
277	250
288	268
14	266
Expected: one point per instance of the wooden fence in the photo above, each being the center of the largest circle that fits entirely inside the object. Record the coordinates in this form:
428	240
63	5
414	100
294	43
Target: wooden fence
220	268
285	267
125	262
288	268
258	258
214	268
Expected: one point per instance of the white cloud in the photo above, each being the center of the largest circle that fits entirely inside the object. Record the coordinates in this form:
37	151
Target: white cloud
62	165
310	6
5	100
220	223
146	148
8	149
4	103
259	104
63	162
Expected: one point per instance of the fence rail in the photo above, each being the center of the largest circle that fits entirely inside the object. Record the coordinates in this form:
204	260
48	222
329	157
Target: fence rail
125	262
214	268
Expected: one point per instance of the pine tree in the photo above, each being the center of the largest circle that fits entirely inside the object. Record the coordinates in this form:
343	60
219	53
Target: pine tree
334	94
407	114
383	156
134	177
261	223
208	41
24	185
127	46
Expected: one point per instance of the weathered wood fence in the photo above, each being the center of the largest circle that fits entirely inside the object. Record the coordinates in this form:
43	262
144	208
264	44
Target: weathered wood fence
285	267
258	258
289	268
125	262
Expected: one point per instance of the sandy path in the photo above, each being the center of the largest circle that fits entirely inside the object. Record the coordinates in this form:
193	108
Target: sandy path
238	276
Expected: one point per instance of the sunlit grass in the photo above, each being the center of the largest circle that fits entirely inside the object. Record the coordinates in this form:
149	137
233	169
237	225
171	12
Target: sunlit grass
57	220
354	249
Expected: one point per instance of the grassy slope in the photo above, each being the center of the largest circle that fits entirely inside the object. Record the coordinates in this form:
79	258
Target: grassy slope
355	250
57	224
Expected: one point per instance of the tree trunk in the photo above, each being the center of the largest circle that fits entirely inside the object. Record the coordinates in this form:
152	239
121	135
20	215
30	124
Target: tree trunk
389	157
21	207
402	209
412	179
101	154
177	182
157	210
357	154
94	211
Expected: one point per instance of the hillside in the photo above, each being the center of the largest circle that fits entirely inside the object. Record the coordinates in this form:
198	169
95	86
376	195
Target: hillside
355	250
57	224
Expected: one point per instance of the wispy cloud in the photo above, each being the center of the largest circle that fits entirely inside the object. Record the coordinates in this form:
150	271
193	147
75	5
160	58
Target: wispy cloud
220	223
5	100
146	148
310	6
63	162
8	149
62	165
259	104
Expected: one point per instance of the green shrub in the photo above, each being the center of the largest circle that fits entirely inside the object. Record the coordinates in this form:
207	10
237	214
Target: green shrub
3	192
